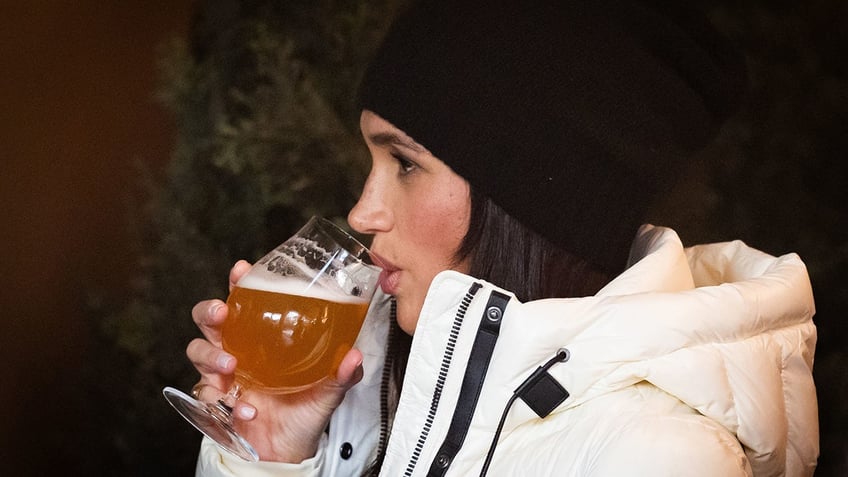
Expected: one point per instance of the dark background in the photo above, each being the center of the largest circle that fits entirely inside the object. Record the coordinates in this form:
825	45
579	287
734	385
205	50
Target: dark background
76	112
80	129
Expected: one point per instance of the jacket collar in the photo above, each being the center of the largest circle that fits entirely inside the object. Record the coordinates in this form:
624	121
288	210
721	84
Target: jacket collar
671	311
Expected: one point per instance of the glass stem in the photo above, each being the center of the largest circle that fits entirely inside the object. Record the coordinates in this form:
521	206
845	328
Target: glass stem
223	409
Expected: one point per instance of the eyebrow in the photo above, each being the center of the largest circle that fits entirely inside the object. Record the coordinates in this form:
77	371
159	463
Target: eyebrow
387	138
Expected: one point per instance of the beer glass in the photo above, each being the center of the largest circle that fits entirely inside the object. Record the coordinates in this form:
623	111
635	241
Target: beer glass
291	320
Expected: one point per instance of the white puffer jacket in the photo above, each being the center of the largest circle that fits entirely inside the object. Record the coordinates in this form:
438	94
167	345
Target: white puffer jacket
692	362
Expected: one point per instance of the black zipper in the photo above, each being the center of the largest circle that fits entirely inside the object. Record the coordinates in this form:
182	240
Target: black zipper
385	383
447	357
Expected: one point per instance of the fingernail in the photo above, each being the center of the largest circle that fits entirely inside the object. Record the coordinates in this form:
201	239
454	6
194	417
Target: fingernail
214	309
247	412
224	361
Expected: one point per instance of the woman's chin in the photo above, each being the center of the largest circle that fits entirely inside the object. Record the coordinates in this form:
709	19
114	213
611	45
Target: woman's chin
407	319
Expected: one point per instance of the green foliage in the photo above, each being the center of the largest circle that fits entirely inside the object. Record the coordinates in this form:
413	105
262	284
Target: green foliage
267	135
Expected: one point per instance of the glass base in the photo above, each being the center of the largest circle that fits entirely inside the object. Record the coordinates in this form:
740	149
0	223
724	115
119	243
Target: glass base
212	421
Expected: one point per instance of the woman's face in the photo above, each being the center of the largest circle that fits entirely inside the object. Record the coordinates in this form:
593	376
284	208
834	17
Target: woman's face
418	211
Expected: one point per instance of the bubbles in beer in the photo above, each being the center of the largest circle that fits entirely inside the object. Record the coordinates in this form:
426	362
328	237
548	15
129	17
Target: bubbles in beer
285	336
297	312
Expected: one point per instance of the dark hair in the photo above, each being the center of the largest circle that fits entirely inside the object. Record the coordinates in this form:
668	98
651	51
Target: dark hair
505	253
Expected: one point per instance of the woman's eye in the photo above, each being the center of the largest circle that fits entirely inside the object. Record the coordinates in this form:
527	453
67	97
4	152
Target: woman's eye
405	165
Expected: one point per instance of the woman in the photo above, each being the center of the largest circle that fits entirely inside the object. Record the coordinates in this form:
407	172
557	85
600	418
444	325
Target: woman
515	151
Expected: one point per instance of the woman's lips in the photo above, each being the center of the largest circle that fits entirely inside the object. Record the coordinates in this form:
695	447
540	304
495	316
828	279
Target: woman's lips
389	281
389	276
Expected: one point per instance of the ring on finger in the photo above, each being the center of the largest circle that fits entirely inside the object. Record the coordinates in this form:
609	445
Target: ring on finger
196	389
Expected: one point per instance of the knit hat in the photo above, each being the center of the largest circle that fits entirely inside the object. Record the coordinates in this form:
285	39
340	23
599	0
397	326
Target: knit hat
571	115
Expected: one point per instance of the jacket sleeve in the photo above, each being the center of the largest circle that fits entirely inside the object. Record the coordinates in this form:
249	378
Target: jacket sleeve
214	462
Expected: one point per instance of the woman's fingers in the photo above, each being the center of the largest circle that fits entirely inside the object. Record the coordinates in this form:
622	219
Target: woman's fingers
239	270
209	315
210	359
350	369
244	411
216	368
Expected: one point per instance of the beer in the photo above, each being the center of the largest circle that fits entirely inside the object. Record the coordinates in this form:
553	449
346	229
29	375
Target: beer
292	318
285	341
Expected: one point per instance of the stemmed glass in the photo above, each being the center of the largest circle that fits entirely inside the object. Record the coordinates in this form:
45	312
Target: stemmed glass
291	320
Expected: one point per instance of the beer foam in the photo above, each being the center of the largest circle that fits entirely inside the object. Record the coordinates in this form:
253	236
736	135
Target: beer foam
294	286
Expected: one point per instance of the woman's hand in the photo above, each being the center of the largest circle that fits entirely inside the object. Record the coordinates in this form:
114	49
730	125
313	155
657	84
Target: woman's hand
283	428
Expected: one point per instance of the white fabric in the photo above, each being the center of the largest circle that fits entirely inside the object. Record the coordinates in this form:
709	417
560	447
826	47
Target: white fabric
692	362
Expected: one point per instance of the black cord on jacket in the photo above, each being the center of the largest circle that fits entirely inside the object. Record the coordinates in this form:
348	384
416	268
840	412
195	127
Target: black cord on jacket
522	391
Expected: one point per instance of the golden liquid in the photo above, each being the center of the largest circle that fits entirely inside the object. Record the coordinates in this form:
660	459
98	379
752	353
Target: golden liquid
287	342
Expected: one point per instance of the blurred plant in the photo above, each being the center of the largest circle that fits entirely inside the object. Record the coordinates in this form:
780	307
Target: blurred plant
267	135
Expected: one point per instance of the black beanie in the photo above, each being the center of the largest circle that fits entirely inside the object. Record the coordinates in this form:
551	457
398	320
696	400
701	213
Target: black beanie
571	115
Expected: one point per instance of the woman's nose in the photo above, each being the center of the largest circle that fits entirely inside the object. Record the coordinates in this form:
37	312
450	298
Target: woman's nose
370	214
